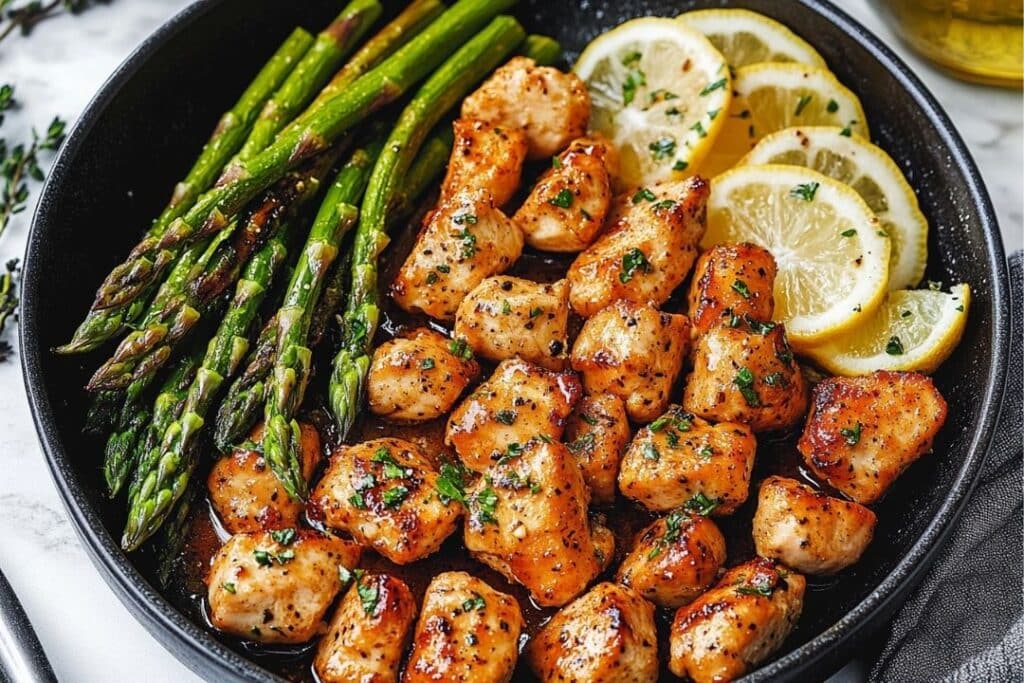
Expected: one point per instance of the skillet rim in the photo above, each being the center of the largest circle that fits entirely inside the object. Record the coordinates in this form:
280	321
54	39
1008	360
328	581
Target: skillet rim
195	647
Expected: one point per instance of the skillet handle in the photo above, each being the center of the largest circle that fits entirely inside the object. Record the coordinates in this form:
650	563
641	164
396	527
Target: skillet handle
22	659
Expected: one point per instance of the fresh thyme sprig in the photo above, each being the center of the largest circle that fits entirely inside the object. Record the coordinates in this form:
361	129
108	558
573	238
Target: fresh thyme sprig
20	162
26	16
8	302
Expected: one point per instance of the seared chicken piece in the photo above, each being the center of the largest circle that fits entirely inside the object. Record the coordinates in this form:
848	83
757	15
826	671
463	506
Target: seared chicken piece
467	631
732	282
635	352
520	401
368	632
567	207
528	520
552	107
418	376
607	635
248	496
807	530
275	587
724	633
647	250
485	157
680	459
746	376
507	316
384	494
597	434
862	432
675	559
464	240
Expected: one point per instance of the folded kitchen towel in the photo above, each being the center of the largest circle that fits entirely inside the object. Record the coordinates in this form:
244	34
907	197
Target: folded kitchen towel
965	622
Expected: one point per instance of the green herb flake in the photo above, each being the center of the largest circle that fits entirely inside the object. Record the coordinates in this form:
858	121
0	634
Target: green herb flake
802	104
643	194
701	504
673	529
506	307
229	587
634	80
846	132
460	349
476	602
392	470
705	452
760	586
505	417
263	557
680	165
741	288
357	501
556	162
664	204
369	596
427	364
712	87
662	148
465	219
632	261
468	243
852	434
589	419
443	268
699	128
432	278
805	191
394	497
563	199
486	503
631	59
650	452
758	327
744	381
894	347
534	312
832	107
849	233
284	536
451	483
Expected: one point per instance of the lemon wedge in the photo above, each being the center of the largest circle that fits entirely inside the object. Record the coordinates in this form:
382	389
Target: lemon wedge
660	92
832	256
866	168
746	37
772	96
915	329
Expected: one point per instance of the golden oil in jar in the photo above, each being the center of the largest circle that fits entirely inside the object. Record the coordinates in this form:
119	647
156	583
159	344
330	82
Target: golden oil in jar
978	40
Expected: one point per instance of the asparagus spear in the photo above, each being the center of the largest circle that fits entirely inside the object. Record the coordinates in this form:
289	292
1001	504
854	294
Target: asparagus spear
445	88
312	73
287	382
171	462
240	408
171	539
322	128
111	309
541	49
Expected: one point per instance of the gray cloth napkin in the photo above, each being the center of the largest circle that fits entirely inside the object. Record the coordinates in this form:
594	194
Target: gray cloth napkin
964	622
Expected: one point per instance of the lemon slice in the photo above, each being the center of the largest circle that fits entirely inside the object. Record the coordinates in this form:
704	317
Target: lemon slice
660	92
914	329
832	255
746	37
866	168
772	96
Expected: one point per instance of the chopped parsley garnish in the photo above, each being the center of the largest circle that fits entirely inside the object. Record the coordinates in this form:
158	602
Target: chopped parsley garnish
631	58
805	191
712	87
265	558
589	419
486	503
432	277
705	451
672	438
506	307
563	199
368	595
534	312
832	107
465	219
662	148
460	349
761	585
664	204
394	497
505	417
642	194
556	162
744	380
894	347
451	483
699	128
846	132
673	527
283	536
443	268
701	504
427	364
650	452
741	288
852	434
474	603
468	243
357	501
632	261
661	95
583	444
229	587
849	233
392	470
634	80
758	327
802	104
680	165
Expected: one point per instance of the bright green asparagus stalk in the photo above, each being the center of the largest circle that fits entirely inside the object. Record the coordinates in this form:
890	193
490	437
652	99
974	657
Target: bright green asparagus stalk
171	539
541	49
122	449
445	88
115	298
312	73
168	473
321	129
240	408
294	357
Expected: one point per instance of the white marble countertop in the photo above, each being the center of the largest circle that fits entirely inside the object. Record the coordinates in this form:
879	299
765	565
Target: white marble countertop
87	633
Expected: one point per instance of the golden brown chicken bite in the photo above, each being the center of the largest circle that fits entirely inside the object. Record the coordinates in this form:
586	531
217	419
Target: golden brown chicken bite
647	250
520	401
635	352
607	635
675	559
528	520
747	374
680	459
384	494
505	316
464	240
247	495
276	586
368	632
807	530
552	107
597	434
467	632
567	207
863	432
732	282
724	633
418	376
485	157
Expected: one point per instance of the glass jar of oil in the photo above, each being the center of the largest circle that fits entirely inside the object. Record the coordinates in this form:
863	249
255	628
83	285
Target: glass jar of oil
978	40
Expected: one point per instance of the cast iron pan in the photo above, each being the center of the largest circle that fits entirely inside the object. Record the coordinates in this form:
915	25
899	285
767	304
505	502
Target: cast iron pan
141	132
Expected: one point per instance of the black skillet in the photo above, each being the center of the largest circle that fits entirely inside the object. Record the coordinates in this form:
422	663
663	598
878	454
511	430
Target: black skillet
144	127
